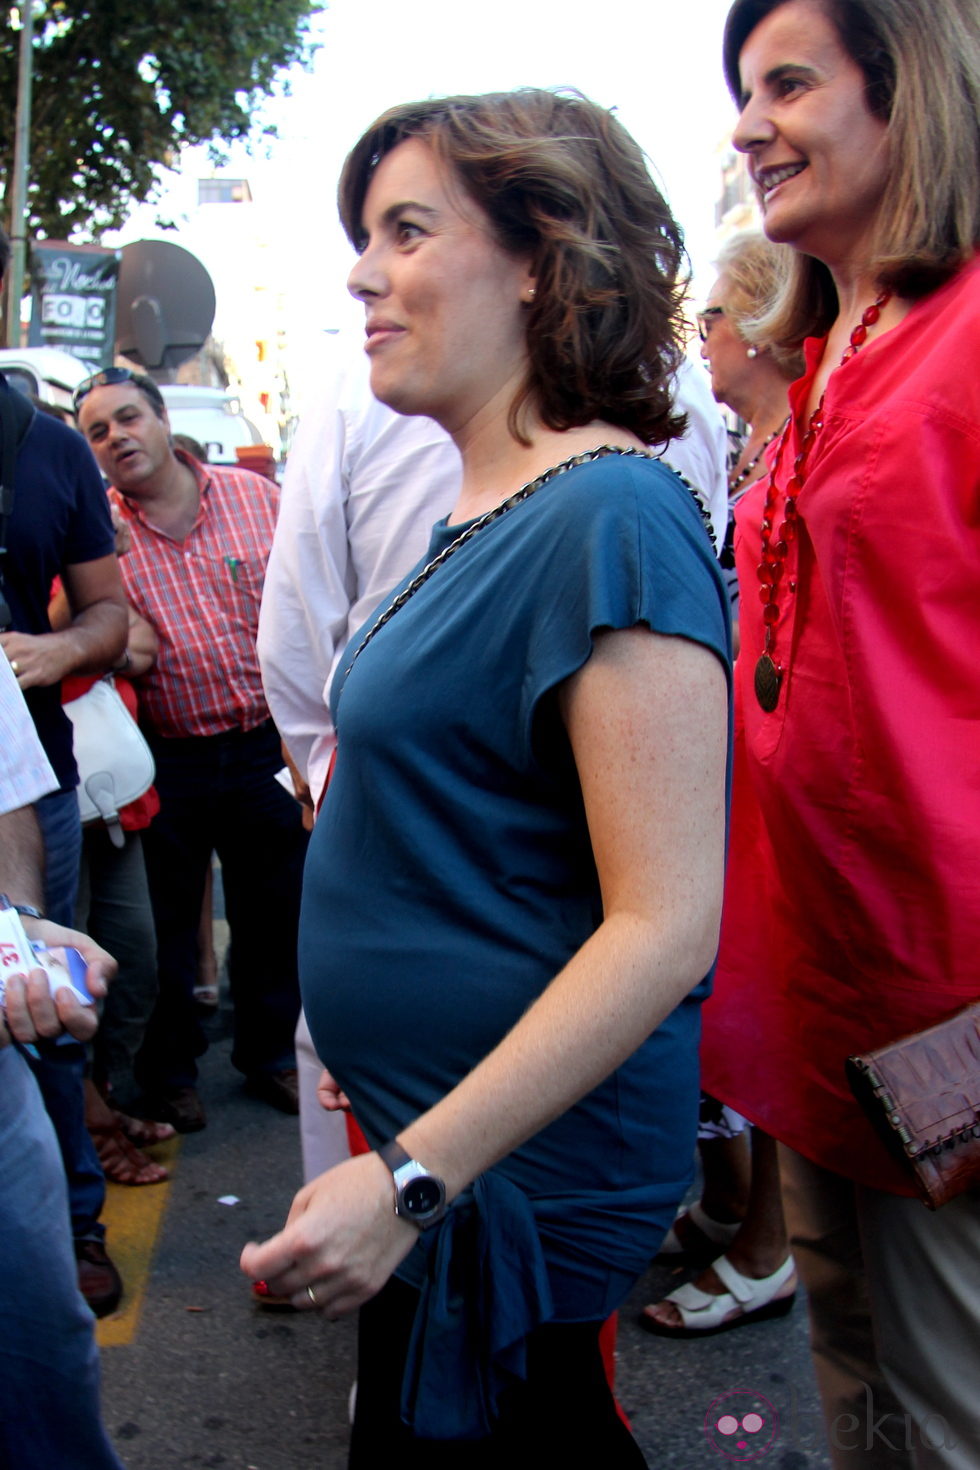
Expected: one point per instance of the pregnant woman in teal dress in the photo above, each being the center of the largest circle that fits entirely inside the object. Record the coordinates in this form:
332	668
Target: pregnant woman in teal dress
512	900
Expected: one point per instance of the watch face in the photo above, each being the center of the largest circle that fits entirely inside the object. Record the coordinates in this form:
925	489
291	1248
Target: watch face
421	1196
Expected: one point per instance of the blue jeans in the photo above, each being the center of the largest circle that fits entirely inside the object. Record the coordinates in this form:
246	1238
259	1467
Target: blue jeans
49	1365
61	829
60	1070
218	793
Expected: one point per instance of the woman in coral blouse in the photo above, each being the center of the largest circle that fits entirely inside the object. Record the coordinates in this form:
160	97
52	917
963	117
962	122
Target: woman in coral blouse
853	905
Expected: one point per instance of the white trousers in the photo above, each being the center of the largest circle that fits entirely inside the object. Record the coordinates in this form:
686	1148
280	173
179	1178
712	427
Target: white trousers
323	1135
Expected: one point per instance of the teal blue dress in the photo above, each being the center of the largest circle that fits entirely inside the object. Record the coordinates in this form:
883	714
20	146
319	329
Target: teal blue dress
450	877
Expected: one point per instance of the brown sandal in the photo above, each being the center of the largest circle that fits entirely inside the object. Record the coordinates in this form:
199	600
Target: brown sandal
143	1131
122	1162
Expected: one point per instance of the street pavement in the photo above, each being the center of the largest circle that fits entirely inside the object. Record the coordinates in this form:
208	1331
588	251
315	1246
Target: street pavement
195	1374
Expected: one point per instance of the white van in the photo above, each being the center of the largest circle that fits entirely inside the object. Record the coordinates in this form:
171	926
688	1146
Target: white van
212	416
47	373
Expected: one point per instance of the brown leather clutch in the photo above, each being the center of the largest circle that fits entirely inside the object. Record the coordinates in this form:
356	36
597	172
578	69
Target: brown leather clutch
922	1093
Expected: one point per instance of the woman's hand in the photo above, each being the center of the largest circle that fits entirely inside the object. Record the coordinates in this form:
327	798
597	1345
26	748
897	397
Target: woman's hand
330	1096
342	1238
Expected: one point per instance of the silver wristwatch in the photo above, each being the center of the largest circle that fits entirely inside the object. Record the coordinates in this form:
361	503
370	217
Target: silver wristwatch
419	1195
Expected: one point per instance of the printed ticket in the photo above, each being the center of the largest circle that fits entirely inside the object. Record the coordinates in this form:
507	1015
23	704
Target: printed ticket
63	965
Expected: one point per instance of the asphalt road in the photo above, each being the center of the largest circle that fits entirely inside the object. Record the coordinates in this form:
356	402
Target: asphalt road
195	1374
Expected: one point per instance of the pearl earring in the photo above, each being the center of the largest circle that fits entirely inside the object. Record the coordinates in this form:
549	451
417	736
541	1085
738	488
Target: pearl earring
752	352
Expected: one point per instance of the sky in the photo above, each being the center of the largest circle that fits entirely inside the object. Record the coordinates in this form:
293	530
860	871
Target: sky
657	62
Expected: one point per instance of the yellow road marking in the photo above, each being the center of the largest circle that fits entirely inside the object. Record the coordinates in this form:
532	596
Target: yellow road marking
132	1216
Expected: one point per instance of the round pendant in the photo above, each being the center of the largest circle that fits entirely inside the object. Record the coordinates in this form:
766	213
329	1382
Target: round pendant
767	682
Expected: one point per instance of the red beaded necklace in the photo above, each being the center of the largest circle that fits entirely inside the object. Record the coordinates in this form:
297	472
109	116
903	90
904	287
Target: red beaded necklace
775	549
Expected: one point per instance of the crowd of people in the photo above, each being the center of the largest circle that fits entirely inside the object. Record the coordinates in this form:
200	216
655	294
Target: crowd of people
488	623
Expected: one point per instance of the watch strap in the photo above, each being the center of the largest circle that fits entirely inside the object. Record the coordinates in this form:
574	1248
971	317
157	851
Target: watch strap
409	1177
26	910
394	1155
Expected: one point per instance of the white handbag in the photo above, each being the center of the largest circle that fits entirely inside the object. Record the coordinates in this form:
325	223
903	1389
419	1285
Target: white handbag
115	765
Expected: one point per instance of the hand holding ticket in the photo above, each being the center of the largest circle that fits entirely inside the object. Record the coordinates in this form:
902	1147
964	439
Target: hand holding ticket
64	966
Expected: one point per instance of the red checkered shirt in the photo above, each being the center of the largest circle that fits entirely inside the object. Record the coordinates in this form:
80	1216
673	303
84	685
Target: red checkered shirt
202	596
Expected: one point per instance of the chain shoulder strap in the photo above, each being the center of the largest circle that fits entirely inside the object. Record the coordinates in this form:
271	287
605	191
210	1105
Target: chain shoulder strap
519	496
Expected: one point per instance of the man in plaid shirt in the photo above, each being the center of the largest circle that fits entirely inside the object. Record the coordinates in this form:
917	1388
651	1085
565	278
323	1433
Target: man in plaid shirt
201	538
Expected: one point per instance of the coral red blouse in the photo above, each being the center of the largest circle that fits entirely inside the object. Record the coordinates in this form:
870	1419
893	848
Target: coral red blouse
852	910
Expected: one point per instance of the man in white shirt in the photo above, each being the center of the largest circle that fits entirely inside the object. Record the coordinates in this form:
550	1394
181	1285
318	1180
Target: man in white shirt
363	488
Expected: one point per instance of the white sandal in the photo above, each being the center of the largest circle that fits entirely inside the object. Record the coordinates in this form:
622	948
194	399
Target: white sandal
716	1233
746	1300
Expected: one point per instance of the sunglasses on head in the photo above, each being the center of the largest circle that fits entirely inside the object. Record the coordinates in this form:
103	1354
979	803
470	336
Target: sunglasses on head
104	379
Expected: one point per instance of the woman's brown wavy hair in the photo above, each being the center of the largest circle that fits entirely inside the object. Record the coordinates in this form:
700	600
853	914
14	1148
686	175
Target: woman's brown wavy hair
563	183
